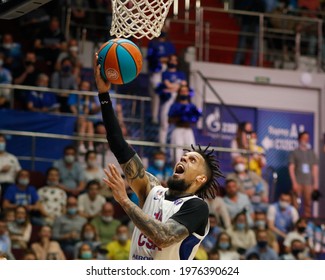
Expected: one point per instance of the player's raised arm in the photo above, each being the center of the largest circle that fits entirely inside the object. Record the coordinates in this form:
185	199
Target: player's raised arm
130	162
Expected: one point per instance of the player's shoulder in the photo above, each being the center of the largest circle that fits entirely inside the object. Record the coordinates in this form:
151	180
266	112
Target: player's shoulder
197	204
153	181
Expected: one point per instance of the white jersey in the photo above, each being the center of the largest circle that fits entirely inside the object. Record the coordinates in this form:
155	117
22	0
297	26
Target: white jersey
157	207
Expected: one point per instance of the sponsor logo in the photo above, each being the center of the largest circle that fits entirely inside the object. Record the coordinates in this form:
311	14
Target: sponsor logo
137	257
112	74
178	201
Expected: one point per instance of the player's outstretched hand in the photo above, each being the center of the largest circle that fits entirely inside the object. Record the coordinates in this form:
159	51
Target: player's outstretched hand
115	182
102	86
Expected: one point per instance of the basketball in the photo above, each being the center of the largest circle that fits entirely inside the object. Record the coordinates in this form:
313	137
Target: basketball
120	60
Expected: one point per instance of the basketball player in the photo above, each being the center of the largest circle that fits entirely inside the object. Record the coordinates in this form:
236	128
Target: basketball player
170	222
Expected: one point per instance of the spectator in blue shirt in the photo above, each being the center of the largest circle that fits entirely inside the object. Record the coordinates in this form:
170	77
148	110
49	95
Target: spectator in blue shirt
158	52
159	168
12	51
42	101
262	249
71	172
21	193
172	80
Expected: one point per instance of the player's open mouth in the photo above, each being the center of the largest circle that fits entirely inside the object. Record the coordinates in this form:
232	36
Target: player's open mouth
179	169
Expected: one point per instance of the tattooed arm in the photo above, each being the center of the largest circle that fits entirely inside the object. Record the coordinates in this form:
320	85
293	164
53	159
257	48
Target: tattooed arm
139	180
161	234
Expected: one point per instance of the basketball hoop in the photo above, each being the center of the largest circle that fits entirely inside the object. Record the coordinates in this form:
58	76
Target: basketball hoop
139	18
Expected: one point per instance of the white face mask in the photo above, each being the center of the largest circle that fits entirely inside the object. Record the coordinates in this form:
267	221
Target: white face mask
92	163
122	237
284	204
74	49
107	219
7	46
240	167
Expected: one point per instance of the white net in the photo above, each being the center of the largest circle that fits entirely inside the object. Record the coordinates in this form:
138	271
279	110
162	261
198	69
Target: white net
139	18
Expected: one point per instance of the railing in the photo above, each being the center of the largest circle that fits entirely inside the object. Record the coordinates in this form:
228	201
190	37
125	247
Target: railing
136	116
205	32
96	139
294	33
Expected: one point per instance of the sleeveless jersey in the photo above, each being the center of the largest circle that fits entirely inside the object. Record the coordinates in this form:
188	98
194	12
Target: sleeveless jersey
157	207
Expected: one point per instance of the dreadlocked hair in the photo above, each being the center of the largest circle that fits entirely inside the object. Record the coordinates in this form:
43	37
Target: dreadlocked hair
211	187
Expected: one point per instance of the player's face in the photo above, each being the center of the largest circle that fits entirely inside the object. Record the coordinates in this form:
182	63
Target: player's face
190	168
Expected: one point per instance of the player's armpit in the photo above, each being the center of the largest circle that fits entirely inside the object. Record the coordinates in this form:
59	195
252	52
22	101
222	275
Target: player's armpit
137	178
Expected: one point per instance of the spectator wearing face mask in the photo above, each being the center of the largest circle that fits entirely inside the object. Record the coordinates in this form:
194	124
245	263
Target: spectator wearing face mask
86	253
91	202
73	53
88	236
299	233
71	172
9	166
253	185
12	50
242	236
260	223
67	228
303	170
22	193
42	101
264	251
159	168
52	197
27	74
297	250
172	79
20	229
210	240
184	115
119	249
64	79
281	217
225	248
105	223
93	171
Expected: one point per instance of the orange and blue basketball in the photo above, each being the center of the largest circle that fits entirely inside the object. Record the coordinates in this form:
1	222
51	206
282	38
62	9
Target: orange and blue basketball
120	60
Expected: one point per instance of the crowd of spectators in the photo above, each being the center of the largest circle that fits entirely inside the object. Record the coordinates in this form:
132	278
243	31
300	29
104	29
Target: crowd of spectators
73	215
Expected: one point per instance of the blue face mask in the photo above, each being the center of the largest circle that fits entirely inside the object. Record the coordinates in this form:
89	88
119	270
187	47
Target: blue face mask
240	226
159	163
72	211
23	181
2	146
224	245
86	255
260	224
20	220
